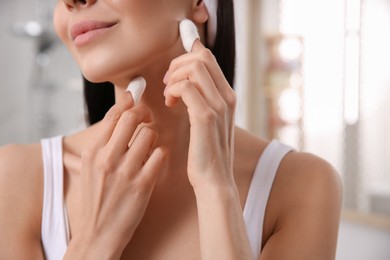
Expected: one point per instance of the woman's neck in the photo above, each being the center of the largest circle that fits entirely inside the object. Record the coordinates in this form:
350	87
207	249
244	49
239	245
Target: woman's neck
171	124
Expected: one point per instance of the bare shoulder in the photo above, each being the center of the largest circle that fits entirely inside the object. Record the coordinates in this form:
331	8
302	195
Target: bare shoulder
299	173
21	172
21	189
307	177
303	209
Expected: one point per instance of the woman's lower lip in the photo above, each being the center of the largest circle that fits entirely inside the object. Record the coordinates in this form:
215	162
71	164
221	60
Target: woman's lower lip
90	36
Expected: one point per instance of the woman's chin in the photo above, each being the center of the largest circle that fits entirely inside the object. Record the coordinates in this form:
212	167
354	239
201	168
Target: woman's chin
100	70
97	74
118	80
94	78
109	72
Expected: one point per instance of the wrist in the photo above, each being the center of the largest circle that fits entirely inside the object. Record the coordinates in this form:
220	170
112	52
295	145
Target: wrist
221	223
220	192
93	247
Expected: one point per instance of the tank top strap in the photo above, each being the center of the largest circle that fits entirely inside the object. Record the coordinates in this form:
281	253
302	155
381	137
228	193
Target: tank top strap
55	229
259	191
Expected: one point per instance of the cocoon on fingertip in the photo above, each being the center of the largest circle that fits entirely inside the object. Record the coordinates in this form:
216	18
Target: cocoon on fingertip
137	87
189	33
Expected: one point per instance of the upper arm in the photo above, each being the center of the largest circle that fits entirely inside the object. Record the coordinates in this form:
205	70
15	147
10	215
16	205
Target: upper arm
310	195
20	203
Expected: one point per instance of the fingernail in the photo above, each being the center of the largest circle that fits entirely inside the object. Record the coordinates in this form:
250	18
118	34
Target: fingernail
189	33
137	87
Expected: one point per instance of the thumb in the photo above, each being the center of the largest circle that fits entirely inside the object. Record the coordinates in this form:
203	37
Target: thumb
136	88
197	46
190	36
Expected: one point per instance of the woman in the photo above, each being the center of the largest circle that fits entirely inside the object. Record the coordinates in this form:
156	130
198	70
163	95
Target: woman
170	177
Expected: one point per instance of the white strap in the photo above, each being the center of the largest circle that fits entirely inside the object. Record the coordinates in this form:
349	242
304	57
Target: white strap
259	191
55	229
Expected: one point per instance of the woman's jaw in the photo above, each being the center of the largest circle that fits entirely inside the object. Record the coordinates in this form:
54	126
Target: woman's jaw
153	68
117	41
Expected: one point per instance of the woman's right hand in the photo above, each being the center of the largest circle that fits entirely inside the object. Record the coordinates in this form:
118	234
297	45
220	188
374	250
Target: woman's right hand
119	170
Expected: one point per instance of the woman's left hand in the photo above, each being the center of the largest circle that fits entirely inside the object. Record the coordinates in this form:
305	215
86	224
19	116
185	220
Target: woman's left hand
197	79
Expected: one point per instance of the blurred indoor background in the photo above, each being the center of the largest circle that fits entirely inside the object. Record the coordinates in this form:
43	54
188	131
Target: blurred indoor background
310	73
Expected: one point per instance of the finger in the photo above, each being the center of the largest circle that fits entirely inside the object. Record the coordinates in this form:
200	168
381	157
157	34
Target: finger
197	46
111	118
155	163
190	95
140	148
126	127
204	55
137	87
188	34
197	73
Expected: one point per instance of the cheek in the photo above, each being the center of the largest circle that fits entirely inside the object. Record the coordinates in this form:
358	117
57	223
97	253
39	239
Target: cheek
60	22
147	30
153	23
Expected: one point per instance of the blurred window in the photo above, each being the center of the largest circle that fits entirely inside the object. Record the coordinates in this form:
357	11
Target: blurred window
328	91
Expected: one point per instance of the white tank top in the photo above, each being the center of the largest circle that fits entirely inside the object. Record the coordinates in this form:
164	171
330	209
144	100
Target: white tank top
55	225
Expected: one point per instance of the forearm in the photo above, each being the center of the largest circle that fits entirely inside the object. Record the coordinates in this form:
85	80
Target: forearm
221	225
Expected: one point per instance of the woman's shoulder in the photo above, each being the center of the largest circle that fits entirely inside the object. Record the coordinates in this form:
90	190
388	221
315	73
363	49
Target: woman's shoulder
21	164
21	189
309	168
21	174
307	182
305	172
300	172
304	203
304	207
299	168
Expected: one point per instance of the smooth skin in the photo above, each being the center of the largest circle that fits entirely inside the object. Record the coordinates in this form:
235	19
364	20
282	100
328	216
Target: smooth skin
167	178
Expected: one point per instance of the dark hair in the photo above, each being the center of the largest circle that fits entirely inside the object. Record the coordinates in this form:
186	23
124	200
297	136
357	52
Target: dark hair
99	97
